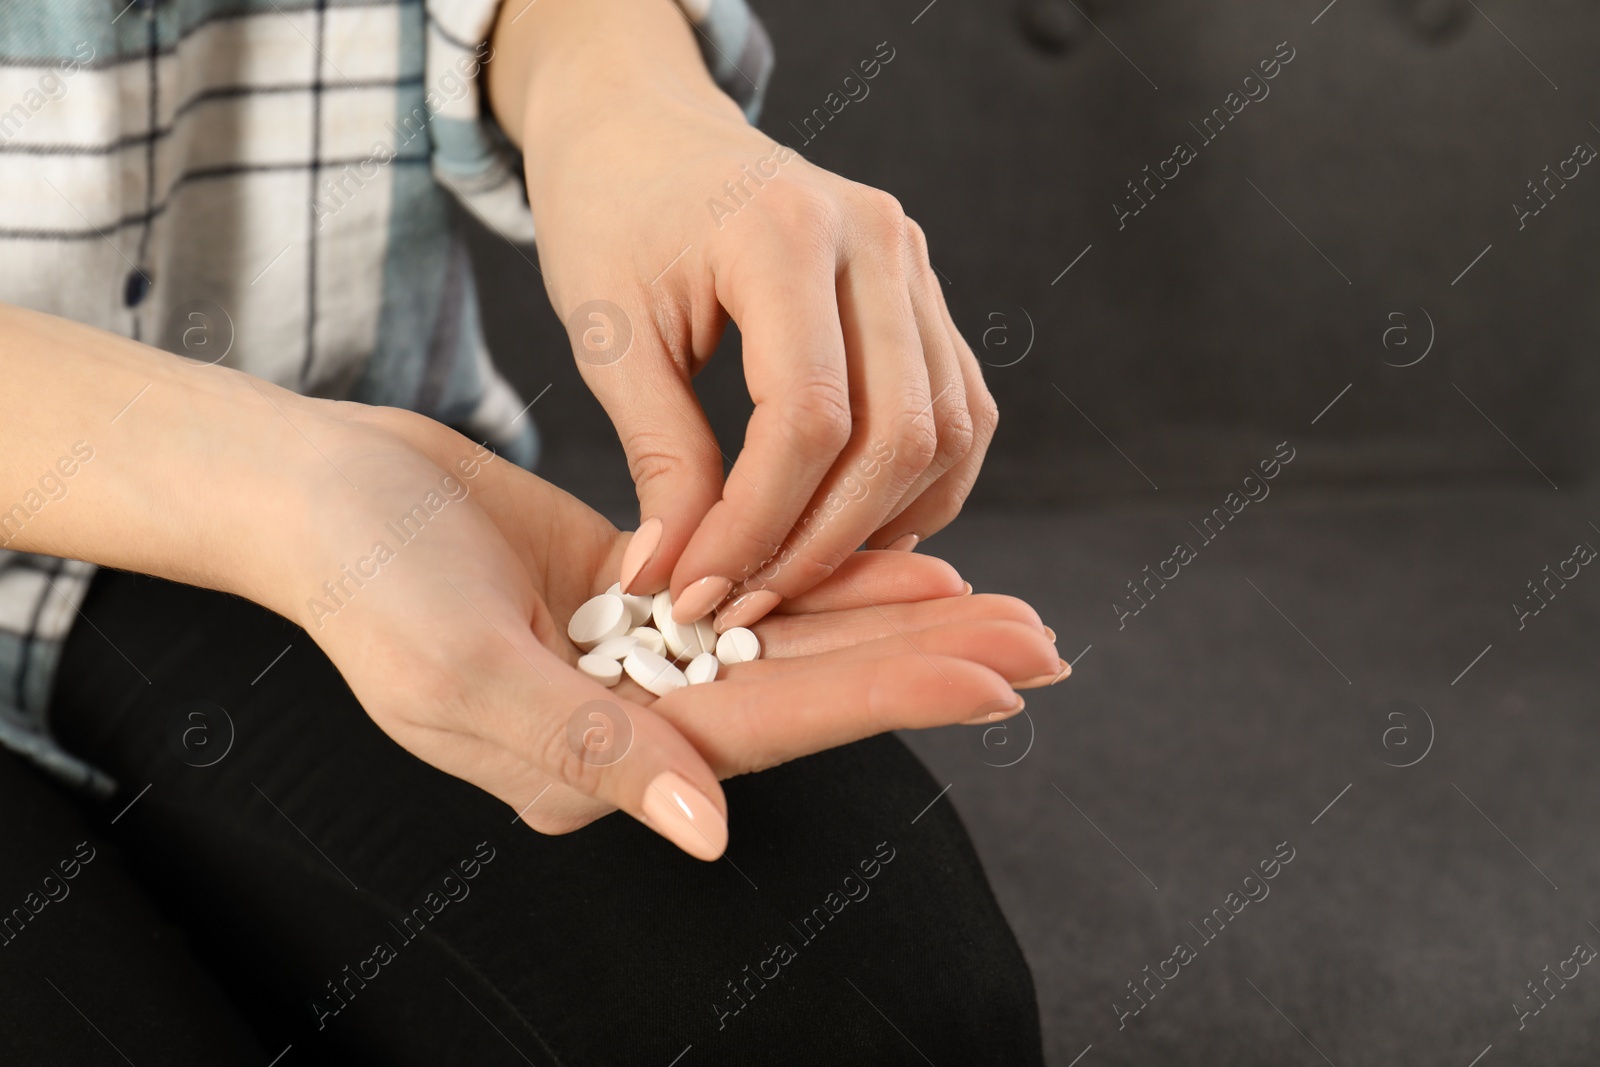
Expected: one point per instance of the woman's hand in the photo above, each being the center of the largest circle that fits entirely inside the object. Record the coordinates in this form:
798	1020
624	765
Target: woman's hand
439	580
651	194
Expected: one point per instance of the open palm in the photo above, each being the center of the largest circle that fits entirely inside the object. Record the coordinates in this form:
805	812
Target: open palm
456	644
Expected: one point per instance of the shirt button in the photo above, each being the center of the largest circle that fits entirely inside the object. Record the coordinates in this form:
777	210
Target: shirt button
136	288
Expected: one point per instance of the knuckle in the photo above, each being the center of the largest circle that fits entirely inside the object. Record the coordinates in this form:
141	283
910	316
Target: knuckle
548	741
985	416
805	207
815	416
916	442
654	458
918	240
886	218
887	205
649	468
956	436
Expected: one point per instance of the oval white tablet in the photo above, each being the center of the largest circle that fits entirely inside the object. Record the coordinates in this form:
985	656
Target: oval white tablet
649	637
603	669
653	672
702	669
599	618
705	635
680	640
661	609
738	645
689	640
615	647
638	606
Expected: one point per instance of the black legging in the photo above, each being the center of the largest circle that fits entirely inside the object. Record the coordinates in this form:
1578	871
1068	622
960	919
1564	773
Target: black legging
342	897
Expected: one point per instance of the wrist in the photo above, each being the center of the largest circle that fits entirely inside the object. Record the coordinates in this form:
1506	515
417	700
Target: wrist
559	68
342	516
251	463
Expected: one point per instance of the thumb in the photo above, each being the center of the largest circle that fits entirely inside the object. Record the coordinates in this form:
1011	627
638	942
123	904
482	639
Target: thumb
673	456
536	721
626	754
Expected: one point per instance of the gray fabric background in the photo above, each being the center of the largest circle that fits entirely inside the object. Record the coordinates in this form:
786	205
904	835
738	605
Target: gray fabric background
1268	676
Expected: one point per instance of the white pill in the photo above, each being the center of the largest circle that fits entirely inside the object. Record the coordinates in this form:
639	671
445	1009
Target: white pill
690	640
682	641
661	609
653	672
638	606
705	634
702	669
603	669
738	645
600	618
615	647
649	637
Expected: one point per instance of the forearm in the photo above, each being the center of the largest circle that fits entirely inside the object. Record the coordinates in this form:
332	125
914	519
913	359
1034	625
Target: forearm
123	455
563	62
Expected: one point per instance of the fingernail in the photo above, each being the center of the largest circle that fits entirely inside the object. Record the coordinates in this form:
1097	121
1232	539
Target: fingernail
685	816
745	609
1039	681
1051	634
967	591
640	551
698	600
996	716
903	543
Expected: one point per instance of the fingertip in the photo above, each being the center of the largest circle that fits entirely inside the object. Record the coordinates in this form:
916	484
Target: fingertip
676	809
948	689
699	598
746	609
999	713
641	551
1039	681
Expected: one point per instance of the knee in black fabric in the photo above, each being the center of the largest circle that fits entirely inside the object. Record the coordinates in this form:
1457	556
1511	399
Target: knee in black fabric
87	964
600	947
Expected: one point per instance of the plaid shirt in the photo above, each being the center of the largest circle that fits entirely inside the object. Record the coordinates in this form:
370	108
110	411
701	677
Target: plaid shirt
262	183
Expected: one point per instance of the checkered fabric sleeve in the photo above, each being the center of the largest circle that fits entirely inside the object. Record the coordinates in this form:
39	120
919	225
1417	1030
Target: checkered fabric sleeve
263	184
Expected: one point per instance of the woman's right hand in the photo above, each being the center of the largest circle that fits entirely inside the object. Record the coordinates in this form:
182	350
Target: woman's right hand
450	627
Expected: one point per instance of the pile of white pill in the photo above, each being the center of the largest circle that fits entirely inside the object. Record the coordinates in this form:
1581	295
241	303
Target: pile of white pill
614	631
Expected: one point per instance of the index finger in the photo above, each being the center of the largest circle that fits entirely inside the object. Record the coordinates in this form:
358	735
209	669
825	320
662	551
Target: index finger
797	375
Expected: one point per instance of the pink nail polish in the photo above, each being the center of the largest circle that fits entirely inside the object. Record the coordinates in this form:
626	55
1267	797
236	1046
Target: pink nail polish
640	551
685	816
698	600
999	713
745	609
904	543
1039	681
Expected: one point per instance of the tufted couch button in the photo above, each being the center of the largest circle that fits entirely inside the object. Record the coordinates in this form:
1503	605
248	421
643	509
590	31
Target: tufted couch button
1052	25
135	288
1434	20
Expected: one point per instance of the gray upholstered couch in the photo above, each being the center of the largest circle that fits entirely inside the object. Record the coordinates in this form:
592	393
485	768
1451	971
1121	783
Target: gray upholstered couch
1347	263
